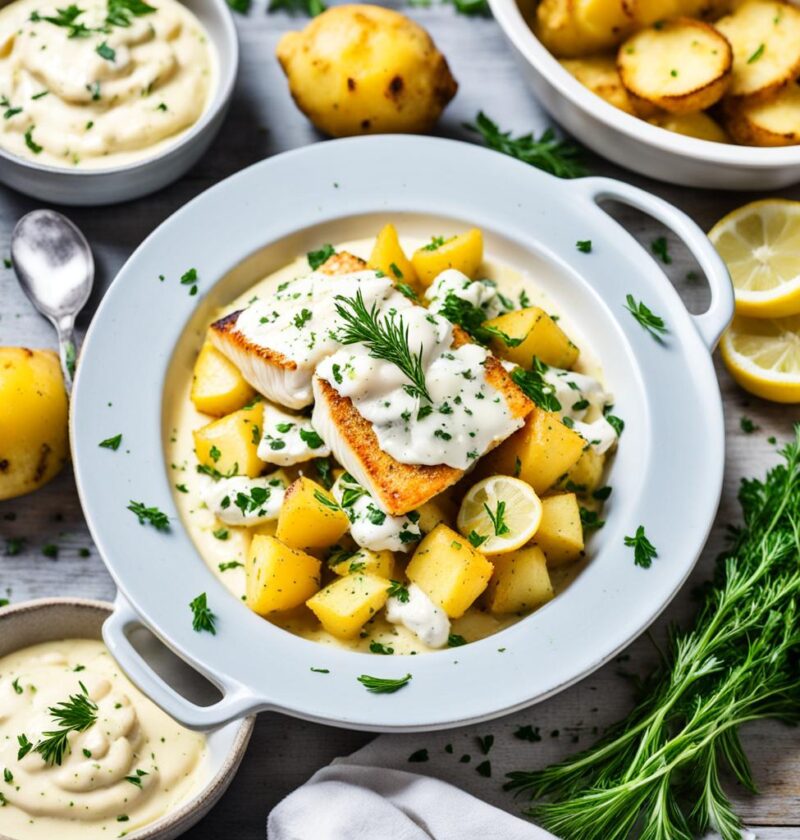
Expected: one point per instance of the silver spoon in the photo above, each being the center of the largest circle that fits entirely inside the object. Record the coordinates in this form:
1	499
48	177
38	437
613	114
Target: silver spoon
55	268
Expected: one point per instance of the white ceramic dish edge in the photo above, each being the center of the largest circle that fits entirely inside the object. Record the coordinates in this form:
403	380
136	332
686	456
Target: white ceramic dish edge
46	619
94	187
632	142
283	684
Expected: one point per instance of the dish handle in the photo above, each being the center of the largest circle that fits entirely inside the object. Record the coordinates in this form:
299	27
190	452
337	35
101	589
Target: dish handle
237	702
716	318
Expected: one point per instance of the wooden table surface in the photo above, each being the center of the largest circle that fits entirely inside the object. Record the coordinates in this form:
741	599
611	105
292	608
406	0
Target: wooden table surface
284	752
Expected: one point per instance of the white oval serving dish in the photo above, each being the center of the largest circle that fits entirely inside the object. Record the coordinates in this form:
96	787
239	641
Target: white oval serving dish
666	475
632	142
49	619
92	187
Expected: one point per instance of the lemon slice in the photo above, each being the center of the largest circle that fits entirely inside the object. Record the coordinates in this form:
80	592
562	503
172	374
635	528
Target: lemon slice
763	356
499	514
760	244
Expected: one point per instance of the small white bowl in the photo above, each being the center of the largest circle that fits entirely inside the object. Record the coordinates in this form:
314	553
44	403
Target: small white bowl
92	187
632	142
44	620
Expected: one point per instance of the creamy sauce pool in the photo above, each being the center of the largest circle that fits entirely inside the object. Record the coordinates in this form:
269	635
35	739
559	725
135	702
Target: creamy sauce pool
226	557
89	795
102	88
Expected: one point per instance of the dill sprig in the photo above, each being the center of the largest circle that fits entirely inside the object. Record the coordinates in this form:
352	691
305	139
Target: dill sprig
548	152
386	338
739	662
471	318
74	715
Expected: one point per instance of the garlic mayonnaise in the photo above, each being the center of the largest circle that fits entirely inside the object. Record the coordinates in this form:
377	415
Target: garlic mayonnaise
96	84
128	768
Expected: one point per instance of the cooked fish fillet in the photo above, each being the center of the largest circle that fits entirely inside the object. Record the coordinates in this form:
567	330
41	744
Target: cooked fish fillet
398	487
269	371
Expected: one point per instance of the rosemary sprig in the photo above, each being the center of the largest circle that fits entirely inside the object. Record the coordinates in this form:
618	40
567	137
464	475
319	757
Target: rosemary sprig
548	152
386	338
74	715
739	662
383	685
498	518
471	318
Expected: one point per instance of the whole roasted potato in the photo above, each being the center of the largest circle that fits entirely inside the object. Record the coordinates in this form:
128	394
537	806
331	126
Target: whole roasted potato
362	69
33	420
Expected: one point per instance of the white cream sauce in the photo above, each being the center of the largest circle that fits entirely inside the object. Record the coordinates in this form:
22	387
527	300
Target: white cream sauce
246	501
90	795
482	293
419	615
289	439
87	91
370	526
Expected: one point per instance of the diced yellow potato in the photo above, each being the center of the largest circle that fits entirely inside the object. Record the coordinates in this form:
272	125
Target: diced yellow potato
278	577
310	516
440	508
560	533
449	570
364	561
698	125
388	256
599	73
588	472
217	386
541	452
230	444
541	337
520	582
346	605
463	252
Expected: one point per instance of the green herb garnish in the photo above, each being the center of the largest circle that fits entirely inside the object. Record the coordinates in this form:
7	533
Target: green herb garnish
111	443
660	248
533	384
152	515
74	715
202	617
30	142
379	647
325	500
748	426
654	324
644	552
320	257
383	685
398	590
231	564
471	318
584	246
106	52
757	54
455	640
312	8
498	518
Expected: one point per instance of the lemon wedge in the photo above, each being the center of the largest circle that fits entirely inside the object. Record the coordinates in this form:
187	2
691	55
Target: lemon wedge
760	244
499	514
763	356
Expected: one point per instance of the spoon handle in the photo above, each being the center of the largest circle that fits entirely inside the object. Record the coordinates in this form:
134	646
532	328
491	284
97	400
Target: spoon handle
67	350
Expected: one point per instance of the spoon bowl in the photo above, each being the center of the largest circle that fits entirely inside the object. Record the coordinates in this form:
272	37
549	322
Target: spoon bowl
55	267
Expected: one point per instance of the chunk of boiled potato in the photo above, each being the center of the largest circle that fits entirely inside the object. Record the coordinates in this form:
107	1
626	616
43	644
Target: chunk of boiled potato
380	563
765	37
541	337
463	252
540	453
310	516
570	28
587	472
680	65
388	256
346	605
34	443
599	73
772	123
217	386
520	582
441	508
560	533
449	570
698	125
230	444
278	577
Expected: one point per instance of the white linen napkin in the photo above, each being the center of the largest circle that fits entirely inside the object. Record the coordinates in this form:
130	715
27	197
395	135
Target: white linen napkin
353	802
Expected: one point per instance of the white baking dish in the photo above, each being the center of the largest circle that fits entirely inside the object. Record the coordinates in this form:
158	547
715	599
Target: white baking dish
667	474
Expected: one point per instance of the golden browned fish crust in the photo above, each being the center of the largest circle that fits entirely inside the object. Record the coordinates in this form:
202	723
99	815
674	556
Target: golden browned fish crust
224	331
342	263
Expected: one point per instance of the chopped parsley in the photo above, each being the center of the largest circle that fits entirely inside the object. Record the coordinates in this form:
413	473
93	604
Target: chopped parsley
151	515
379	647
231	564
644	552
203	619
584	246
111	443
106	52
748	426
321	256
654	324
590	519
455	640
533	384
399	591
660	247
757	54
477	539
418	756
311	438
221	534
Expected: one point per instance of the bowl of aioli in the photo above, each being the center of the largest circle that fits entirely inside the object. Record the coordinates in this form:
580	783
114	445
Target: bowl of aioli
342	191
133	770
107	100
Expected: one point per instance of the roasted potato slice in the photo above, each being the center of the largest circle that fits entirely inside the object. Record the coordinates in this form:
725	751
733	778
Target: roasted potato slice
572	28
599	73
698	125
647	12
765	37
681	65
772	123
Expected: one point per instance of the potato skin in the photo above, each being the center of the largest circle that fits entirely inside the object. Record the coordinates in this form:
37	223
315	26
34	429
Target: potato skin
33	420
772	123
360	69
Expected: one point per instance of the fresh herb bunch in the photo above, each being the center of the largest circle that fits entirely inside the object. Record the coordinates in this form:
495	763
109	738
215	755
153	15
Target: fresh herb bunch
74	715
548	152
386	338
471	319
658	771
